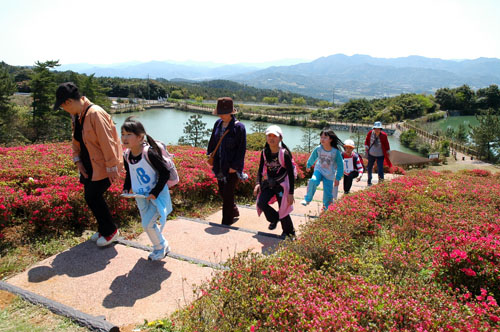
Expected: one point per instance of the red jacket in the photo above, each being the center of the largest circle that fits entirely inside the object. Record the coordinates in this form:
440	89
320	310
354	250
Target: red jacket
385	145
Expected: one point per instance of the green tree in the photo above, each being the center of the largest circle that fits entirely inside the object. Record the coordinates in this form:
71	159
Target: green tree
298	101
461	134
489	98
9	116
196	132
486	135
90	88
270	100
47	124
309	140
356	110
323	104
256	141
259	127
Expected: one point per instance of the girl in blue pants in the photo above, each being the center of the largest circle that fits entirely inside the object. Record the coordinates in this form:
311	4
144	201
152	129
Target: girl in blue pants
329	168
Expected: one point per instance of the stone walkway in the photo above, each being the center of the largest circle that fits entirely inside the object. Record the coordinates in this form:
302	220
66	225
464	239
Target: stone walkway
120	285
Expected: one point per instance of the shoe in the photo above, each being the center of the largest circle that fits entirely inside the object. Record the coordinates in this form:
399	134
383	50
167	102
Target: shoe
304	202
159	254
290	236
272	225
346	192
229	223
369	184
380	180
107	240
95	237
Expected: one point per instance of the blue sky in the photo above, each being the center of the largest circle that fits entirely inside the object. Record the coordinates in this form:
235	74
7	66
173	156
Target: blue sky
234	31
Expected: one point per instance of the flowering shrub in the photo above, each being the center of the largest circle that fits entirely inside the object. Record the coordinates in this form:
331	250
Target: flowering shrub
40	191
394	257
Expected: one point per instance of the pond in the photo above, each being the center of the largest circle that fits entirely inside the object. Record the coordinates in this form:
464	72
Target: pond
167	125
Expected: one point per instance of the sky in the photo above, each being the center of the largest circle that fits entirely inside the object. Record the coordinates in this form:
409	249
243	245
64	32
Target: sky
244	31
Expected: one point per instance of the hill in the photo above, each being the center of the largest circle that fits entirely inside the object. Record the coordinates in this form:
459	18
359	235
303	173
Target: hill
365	76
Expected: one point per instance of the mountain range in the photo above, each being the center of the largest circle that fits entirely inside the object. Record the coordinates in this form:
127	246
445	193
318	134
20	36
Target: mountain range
336	76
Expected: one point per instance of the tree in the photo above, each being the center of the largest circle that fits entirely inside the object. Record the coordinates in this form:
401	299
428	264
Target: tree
90	88
486	135
323	104
461	133
46	123
300	101
259	127
256	141
309	140
489	98
196	132
9	130
270	100
356	110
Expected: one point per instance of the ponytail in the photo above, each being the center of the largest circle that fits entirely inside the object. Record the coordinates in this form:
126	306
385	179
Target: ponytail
153	144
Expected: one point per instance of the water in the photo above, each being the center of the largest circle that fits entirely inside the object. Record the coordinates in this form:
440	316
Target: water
167	125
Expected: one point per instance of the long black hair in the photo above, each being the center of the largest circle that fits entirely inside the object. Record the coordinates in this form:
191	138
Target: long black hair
335	141
267	150
132	125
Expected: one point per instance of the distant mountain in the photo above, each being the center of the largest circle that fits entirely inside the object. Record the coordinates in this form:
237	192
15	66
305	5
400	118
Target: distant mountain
338	75
189	70
358	76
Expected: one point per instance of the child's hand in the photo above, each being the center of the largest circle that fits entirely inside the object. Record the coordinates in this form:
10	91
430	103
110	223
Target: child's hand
291	199
308	169
151	196
358	179
256	189
336	183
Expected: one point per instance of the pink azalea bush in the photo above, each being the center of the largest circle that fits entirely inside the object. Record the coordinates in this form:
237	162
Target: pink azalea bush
40	191
420	253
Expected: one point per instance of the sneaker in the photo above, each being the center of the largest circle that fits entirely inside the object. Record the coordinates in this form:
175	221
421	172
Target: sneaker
290	236
95	237
304	202
159	254
380	180
346	192
272	225
369	184
107	240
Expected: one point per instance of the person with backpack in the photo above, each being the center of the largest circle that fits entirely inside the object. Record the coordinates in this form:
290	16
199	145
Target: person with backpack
328	167
377	149
97	153
276	181
353	165
147	177
226	154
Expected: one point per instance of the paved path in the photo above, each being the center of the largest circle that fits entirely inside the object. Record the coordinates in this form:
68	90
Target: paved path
119	283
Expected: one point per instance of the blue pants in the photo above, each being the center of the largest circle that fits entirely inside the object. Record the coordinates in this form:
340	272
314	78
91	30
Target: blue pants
150	214
380	167
329	192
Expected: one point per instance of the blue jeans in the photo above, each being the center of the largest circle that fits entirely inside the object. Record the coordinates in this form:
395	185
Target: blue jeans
380	167
329	192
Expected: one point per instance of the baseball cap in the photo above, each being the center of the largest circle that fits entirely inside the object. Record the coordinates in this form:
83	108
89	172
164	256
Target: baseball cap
275	130
64	92
349	142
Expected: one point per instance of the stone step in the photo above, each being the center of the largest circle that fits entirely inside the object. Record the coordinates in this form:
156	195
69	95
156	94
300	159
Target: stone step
117	282
210	241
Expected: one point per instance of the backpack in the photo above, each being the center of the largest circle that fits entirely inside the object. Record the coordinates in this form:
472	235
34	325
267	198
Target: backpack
281	158
355	157
173	179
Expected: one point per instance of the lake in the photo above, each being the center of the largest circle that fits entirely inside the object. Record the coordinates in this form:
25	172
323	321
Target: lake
167	125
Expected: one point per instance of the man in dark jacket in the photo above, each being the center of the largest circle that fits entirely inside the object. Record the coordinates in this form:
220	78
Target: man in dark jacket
229	158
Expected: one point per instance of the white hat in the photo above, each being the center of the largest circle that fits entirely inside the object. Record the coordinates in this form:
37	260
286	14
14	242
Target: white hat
377	124
349	142
275	130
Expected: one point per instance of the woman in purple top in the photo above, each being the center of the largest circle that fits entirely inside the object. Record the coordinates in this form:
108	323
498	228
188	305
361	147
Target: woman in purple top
229	158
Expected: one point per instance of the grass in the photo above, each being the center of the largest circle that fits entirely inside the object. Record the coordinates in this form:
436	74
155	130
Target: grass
22	316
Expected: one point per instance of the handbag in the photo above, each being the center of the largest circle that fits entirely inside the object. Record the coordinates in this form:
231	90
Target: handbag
211	156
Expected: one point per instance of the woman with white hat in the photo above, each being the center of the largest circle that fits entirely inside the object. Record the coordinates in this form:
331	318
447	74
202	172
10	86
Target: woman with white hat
377	149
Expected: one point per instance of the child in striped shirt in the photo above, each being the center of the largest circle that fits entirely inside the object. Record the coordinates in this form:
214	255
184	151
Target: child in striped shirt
353	167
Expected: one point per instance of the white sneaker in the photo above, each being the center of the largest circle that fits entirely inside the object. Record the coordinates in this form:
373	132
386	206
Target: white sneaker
95	237
107	240
159	254
304	202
